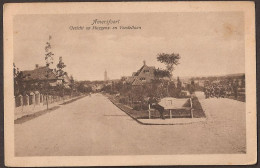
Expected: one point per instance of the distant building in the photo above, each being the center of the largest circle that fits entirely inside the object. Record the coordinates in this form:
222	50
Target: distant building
144	75
199	82
105	76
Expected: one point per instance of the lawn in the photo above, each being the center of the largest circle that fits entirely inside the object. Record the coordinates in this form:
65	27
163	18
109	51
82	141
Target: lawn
177	113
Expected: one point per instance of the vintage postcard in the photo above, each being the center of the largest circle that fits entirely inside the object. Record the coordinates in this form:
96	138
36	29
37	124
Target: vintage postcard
130	83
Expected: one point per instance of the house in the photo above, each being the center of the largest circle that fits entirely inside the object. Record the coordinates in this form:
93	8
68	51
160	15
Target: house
41	74
144	75
66	81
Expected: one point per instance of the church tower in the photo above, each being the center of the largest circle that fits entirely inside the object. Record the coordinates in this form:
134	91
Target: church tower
105	75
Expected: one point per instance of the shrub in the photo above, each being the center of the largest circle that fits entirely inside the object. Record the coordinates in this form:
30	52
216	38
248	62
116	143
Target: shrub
137	107
145	107
123	100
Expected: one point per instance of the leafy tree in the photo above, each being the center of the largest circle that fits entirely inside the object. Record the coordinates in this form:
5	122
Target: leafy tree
179	86
243	83
159	73
118	86
49	60
61	66
173	91
72	84
192	86
19	87
170	60
48	54
61	73
81	87
235	88
138	95
107	88
178	83
158	88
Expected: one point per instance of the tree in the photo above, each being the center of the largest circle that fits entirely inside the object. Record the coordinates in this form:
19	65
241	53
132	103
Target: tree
118	86
138	95
192	86
82	87
49	60
48	53
19	87
72	84
170	60
179	86
178	83
61	66
61	74
235	88
160	73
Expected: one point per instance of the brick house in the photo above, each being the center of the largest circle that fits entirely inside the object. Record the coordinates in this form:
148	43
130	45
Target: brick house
144	75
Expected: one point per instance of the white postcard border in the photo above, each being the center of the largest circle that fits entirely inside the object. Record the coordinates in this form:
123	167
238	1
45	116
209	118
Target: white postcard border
10	10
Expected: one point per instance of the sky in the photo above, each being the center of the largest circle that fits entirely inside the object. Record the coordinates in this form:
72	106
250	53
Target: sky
210	43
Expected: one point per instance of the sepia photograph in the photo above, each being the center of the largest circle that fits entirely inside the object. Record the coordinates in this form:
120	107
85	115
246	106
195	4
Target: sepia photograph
140	85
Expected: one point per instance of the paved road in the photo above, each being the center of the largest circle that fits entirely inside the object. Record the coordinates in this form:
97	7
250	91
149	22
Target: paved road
94	126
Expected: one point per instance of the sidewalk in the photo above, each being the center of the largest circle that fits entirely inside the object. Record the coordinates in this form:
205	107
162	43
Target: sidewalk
172	121
22	111
27	111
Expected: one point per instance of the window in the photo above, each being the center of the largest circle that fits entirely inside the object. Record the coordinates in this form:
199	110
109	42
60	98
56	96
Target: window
146	71
142	78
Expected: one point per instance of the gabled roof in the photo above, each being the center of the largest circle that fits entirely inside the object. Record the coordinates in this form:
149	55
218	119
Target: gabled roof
39	74
137	82
130	79
141	69
66	78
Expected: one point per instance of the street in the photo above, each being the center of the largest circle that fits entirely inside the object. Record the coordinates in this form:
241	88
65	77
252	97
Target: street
94	126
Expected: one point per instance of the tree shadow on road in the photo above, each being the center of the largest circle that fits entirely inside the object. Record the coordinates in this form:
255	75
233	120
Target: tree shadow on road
34	115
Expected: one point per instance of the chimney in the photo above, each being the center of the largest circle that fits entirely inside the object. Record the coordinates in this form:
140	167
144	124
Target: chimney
144	62
36	66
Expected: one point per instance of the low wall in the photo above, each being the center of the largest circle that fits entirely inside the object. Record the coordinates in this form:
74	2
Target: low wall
27	110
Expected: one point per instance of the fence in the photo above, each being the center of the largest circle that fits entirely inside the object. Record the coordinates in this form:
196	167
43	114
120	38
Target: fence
36	98
35	101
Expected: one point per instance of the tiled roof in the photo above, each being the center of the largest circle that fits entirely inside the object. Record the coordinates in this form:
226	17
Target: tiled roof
39	74
137	82
144	66
140	70
130	79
